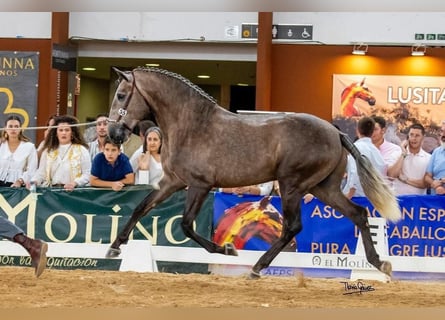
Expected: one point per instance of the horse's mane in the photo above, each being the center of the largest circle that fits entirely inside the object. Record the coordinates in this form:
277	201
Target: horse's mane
180	78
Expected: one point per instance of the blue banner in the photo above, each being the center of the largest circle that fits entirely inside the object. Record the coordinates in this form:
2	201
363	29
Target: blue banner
421	232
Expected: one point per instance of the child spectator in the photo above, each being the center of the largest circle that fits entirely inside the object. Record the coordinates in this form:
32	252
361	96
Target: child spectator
111	168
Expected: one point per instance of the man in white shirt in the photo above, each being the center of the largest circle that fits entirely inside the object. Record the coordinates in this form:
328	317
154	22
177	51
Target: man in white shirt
409	170
365	129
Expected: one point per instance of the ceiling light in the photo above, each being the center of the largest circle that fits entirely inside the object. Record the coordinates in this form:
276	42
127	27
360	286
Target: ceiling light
360	49
242	84
89	69
152	64
418	50
203	76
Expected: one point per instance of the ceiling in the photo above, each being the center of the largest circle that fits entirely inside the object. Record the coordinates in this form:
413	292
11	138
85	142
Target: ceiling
220	72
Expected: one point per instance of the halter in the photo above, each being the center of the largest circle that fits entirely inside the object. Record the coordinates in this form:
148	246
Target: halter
122	112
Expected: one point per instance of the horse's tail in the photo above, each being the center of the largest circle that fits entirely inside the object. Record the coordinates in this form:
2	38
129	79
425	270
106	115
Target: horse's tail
374	186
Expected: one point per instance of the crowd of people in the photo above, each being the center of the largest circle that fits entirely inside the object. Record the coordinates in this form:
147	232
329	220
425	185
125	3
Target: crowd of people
66	160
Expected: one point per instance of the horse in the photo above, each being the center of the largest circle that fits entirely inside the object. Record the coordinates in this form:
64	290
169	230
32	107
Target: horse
206	146
350	93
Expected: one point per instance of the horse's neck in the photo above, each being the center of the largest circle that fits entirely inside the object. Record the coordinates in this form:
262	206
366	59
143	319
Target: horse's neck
348	99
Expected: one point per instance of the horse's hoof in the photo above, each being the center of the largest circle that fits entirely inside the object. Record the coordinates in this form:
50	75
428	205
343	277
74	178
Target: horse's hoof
386	268
253	275
230	250
113	253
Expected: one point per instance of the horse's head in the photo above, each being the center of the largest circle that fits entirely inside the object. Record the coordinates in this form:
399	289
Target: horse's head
365	94
127	108
353	91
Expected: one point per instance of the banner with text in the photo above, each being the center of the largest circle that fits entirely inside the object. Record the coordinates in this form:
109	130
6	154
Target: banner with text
95	215
249	222
19	79
401	100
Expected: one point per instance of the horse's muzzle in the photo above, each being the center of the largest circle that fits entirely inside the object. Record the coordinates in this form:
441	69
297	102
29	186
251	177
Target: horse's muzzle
118	132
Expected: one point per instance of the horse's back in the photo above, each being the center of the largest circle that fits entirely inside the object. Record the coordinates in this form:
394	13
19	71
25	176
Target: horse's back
248	149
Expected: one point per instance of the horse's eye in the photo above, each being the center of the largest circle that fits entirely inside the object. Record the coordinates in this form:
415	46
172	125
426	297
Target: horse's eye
120	96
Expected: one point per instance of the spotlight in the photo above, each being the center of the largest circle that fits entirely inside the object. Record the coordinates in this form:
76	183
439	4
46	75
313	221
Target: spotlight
360	49
418	50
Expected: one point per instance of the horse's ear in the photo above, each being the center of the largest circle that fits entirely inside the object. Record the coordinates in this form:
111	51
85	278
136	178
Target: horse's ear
121	74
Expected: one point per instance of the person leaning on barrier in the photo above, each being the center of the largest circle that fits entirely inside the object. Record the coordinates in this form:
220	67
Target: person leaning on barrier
262	189
18	156
435	171
111	168
65	160
36	248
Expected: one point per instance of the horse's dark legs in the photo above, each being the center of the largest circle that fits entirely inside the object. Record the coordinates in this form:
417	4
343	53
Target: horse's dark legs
359	217
195	199
149	202
291	227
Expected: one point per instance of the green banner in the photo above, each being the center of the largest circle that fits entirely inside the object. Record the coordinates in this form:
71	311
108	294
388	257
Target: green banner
97	215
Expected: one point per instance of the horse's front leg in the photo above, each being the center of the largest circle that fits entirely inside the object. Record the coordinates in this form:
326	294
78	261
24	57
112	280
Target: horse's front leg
150	201
291	226
195	199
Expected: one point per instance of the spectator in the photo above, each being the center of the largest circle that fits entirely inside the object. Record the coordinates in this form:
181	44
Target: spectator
111	168
65	160
97	145
143	125
409	170
18	156
435	171
36	248
146	163
262	189
49	124
133	143
390	152
365	130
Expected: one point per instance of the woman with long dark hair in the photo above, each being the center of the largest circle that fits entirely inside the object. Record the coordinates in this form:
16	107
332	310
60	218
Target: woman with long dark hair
65	160
147	165
18	156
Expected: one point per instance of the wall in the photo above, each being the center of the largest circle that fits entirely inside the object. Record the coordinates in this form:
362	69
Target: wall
302	74
372	27
31	25
93	98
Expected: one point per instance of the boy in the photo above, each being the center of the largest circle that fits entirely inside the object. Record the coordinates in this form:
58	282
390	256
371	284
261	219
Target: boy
111	168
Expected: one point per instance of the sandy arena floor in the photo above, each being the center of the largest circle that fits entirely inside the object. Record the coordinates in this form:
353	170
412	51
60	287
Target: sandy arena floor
92	289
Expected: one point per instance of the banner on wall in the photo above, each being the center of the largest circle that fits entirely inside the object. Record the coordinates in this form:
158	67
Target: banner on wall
243	221
19	79
96	215
401	100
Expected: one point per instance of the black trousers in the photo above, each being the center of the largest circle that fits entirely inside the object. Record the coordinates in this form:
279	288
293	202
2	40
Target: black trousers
5	184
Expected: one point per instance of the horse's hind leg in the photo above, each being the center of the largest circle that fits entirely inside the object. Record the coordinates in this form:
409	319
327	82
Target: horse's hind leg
195	199
359	217
150	201
291	202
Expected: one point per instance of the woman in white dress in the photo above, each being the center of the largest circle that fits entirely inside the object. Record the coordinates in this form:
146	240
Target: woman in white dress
146	162
65	160
18	156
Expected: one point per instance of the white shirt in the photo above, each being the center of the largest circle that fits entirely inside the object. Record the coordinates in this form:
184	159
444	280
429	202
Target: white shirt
150	177
68	163
368	149
413	167
22	163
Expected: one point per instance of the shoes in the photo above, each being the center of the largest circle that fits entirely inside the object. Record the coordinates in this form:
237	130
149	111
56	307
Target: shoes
37	250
